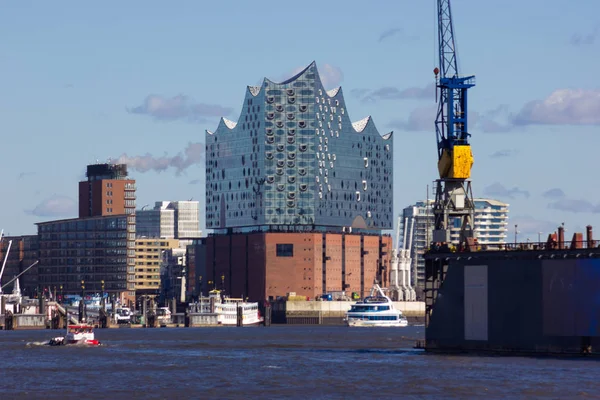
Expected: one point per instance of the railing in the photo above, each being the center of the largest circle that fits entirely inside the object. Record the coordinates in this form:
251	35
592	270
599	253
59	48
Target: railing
521	246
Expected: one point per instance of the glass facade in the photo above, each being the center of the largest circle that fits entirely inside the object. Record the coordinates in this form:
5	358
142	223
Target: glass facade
295	158
92	250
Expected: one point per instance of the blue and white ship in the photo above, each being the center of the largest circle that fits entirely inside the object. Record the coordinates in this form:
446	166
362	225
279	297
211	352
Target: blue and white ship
375	310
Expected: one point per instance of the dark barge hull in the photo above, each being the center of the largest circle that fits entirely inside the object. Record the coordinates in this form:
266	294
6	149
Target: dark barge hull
518	302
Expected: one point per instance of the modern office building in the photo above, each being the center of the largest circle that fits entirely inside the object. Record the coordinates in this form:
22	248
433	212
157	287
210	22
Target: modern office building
23	254
170	220
149	259
490	228
300	190
97	247
91	250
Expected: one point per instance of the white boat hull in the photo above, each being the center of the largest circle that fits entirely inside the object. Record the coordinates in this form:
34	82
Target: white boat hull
356	322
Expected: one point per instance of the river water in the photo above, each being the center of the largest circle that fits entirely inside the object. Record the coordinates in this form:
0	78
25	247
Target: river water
279	362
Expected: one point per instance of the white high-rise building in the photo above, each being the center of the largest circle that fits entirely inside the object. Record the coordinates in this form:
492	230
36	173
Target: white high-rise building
422	231
490	228
170	220
187	219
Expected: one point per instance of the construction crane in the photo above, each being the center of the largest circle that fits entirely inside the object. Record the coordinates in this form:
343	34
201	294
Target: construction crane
453	206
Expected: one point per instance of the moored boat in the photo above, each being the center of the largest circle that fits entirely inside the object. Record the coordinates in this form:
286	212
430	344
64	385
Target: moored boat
219	309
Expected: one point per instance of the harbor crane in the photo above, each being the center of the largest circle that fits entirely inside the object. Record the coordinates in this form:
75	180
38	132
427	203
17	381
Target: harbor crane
453	205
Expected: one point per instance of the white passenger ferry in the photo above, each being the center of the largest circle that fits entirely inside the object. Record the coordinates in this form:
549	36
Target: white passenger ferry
375	310
225	309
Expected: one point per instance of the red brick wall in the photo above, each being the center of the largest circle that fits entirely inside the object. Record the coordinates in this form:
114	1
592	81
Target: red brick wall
287	274
222	264
256	267
318	288
352	263
270	275
100	194
209	273
371	244
333	271
238	266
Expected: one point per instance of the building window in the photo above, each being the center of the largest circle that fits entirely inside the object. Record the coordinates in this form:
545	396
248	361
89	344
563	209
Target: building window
285	250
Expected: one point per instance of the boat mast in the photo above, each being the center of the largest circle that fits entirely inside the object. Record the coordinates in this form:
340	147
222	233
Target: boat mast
4	263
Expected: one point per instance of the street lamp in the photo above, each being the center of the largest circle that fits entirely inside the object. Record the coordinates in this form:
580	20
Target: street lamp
539	237
103	301
516	234
223	282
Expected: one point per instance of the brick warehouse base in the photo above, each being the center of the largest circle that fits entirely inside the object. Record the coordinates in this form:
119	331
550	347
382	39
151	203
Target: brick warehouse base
264	266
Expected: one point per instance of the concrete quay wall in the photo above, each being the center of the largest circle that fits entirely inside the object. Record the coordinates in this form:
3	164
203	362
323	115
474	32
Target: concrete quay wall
338	309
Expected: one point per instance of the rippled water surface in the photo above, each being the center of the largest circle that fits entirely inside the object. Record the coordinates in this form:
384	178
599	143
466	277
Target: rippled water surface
295	362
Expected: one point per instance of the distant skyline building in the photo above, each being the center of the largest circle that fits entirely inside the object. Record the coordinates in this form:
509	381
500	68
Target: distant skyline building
422	232
107	191
490	227
170	220
150	256
491	222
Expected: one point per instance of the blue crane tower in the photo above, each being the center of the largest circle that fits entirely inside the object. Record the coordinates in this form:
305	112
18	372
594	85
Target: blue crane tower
453	206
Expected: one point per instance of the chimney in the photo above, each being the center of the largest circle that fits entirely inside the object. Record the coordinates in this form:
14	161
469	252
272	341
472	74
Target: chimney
561	237
588	236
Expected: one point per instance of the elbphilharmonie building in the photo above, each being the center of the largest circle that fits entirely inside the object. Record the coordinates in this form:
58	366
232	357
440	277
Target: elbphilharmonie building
297	196
295	158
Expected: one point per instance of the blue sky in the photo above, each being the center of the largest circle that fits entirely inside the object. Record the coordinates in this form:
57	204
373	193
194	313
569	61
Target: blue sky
141	81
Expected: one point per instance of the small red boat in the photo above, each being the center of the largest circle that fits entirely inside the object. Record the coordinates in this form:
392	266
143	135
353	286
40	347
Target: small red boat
81	334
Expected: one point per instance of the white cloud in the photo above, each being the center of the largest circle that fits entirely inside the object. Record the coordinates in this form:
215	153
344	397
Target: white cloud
504	153
178	107
497	189
331	76
563	107
579	39
529	226
420	119
554	193
575	206
393	93
55	206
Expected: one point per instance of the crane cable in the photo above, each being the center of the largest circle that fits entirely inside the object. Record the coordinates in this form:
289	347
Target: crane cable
17	277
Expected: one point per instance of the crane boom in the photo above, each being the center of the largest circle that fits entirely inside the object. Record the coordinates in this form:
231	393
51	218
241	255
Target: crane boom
453	190
451	124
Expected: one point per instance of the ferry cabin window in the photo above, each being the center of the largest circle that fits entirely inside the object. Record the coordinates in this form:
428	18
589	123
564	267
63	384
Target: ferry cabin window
285	250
